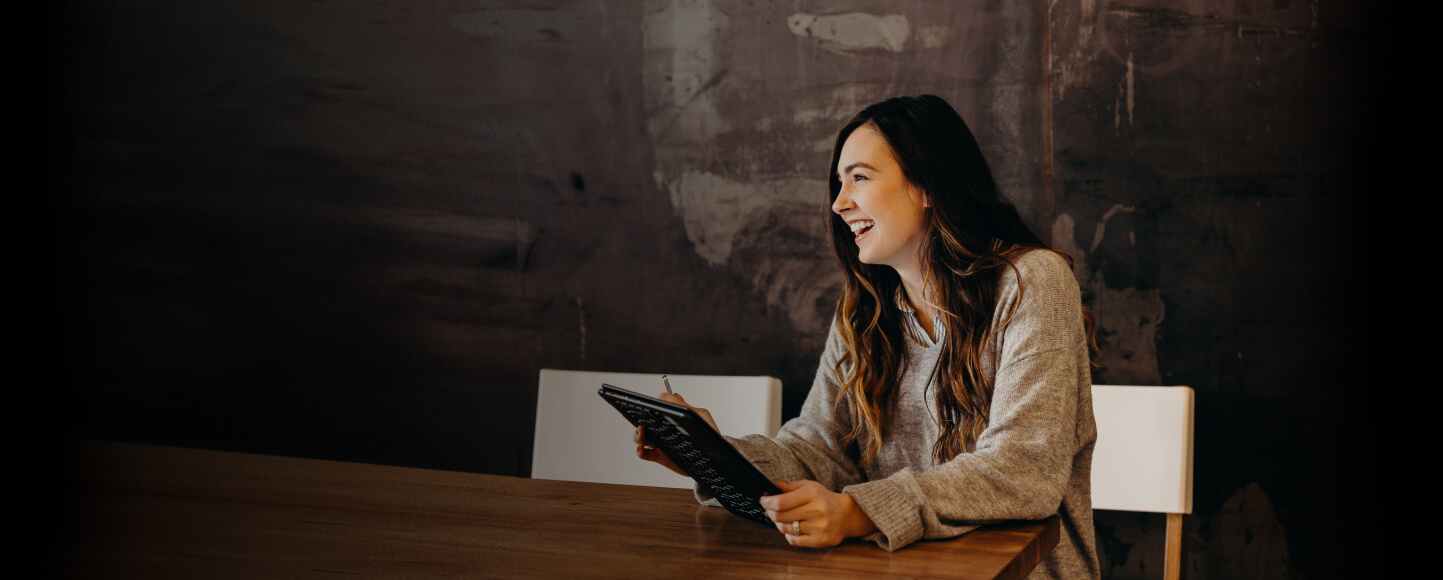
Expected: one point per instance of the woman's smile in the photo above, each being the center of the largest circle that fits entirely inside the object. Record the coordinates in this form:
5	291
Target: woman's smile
860	228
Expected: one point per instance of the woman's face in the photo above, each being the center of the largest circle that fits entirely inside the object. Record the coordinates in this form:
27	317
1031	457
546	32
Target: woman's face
884	210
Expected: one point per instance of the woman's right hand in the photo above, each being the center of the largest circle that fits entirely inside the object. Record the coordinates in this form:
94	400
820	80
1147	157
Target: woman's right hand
649	452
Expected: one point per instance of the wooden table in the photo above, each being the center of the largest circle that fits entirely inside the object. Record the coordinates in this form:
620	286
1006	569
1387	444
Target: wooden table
162	512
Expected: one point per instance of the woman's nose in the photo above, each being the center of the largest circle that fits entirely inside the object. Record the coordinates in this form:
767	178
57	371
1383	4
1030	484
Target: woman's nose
843	201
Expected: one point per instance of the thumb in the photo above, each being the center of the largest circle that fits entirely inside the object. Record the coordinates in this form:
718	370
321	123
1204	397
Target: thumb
785	487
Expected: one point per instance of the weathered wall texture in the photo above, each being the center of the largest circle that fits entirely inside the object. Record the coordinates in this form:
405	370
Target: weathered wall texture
1207	157
388	217
357	231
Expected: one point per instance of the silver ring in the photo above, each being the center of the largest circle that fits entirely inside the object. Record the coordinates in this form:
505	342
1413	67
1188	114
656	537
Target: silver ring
796	528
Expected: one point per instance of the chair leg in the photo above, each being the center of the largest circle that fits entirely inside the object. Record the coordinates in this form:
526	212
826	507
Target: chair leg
1172	566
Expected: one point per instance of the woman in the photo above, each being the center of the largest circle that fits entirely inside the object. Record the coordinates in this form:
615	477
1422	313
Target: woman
955	387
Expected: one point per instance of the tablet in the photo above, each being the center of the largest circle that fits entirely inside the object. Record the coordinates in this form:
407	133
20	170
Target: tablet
699	450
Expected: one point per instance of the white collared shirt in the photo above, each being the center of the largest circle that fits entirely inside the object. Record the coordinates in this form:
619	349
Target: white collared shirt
914	326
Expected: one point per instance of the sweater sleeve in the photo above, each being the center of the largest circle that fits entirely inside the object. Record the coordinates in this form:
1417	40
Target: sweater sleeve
809	446
1021	465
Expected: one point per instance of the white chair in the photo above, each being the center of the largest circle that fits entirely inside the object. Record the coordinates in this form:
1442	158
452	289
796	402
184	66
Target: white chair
579	437
1143	458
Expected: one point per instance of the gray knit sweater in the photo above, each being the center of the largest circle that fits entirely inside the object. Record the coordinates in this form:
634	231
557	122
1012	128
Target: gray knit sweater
1033	458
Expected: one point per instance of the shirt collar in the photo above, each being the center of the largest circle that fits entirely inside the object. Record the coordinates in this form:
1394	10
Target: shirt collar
914	327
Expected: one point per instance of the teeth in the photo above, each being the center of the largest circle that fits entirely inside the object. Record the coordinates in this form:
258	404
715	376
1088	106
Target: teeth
858	226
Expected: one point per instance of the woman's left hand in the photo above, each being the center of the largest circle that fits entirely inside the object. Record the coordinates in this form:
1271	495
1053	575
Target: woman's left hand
823	517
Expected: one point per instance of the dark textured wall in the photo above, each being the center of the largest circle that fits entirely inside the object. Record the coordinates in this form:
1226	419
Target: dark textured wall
357	230
1211	162
360	232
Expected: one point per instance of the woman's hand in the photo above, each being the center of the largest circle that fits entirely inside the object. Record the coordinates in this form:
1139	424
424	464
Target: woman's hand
649	452
823	517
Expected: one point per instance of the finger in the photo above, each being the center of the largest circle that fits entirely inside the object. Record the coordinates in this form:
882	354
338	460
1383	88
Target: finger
812	536
771	504
809	541
806	513
672	398
655	455
790	500
785	527
651	454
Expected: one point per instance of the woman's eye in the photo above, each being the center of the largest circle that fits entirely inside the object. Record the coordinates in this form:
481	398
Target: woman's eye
858	177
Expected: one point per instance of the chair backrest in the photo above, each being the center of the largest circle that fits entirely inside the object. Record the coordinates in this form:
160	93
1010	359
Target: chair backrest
579	437
1143	457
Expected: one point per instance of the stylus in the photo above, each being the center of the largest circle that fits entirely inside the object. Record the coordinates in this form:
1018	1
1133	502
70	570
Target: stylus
667	383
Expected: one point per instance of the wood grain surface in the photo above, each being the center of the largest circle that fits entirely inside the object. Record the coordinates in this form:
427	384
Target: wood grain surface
160	512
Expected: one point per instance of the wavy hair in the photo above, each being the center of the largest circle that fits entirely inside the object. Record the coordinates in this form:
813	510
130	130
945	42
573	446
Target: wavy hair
974	237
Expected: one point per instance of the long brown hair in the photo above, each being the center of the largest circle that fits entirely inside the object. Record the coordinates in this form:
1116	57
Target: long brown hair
974	237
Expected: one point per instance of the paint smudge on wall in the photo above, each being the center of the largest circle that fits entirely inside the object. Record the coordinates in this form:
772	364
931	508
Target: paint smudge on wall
1130	93
933	36
784	252
760	223
1124	91
771	231
681	66
1101	230
715	208
1066	67
1091	33
854	31
1127	319
841	103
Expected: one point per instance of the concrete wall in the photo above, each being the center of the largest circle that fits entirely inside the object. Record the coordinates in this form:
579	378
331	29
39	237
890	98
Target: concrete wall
1210	162
356	231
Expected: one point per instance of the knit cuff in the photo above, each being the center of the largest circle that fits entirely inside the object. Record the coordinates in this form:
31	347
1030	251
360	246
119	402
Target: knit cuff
758	460
892	507
703	497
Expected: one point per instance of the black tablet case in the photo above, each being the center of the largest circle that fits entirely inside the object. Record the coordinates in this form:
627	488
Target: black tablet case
698	449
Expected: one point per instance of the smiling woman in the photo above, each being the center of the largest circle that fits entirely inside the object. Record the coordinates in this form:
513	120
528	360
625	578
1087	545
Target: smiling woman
875	191
955	387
